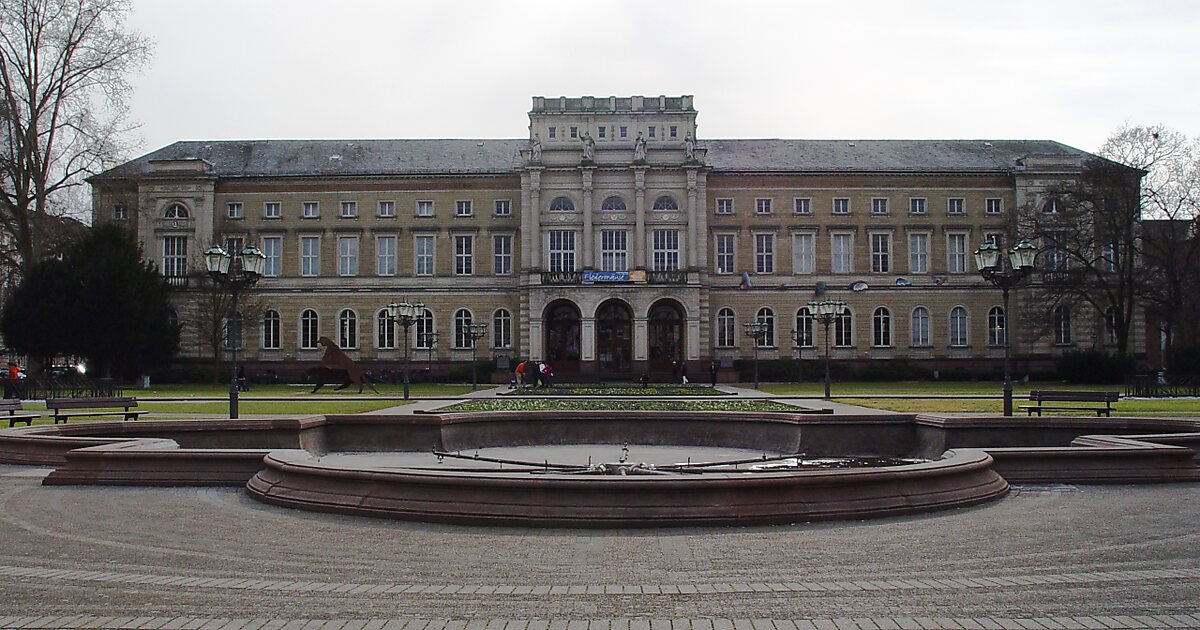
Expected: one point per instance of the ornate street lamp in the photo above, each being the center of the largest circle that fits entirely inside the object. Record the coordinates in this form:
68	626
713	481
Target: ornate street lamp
825	312
405	314
992	266
235	273
477	332
756	330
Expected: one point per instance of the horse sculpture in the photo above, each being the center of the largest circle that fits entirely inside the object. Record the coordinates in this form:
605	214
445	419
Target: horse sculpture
335	366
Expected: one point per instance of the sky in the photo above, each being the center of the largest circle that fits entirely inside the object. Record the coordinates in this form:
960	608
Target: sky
1071	71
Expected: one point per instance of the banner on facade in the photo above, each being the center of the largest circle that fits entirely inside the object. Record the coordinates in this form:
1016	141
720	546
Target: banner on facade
590	277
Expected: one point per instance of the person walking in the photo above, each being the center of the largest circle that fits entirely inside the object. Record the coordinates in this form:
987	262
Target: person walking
520	371
712	372
683	373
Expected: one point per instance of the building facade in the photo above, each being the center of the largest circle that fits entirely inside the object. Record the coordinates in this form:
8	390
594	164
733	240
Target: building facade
611	241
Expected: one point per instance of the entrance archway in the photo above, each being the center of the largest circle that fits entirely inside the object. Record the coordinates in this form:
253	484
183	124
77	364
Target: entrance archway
561	322
666	335
614	336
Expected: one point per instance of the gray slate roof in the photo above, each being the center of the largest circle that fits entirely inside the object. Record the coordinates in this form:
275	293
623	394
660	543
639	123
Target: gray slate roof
291	158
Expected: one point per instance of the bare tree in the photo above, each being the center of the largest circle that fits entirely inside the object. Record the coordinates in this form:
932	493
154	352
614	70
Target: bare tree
211	304
63	80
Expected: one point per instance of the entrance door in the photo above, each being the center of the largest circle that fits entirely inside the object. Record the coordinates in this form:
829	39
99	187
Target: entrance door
665	335
561	322
614	336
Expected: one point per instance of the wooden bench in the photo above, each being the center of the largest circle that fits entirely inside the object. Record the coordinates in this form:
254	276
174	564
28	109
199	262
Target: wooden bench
1044	396
62	407
12	407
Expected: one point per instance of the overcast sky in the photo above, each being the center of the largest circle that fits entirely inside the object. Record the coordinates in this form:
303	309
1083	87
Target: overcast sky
1068	71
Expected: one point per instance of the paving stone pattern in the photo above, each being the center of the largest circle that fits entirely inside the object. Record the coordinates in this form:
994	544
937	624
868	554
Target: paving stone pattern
1045	557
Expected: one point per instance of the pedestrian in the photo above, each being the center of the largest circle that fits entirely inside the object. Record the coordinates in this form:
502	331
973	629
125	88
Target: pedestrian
541	374
683	373
674	371
548	376
712	372
243	385
521	373
645	380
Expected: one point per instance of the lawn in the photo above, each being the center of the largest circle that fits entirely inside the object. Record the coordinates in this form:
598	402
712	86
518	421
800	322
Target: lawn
982	388
620	405
1135	407
298	391
220	409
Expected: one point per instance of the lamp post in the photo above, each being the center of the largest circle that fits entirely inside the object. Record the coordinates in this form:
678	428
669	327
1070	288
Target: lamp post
477	332
825	312
757	331
1006	274
235	273
431	340
405	314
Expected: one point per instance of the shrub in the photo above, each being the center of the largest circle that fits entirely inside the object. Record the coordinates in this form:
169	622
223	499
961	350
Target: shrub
1093	366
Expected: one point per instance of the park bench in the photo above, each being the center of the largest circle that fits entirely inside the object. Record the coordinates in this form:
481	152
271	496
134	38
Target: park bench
1047	396
63	408
12	407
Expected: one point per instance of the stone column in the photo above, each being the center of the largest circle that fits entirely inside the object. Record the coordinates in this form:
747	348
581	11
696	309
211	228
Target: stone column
693	338
641	339
639	230
588	261
587	338
692	246
533	226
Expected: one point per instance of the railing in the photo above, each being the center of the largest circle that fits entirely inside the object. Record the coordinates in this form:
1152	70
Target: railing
60	387
1163	385
177	282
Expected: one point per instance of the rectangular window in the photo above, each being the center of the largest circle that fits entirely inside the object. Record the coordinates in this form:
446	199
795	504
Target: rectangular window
614	254
502	254
881	253
233	210
764	253
503	207
916	205
574	132
385	255
956	253
120	212
994	205
802	205
841	205
310	210
310	255
802	253
349	209
956	205
918	253
624	132
725	253
347	255
600	132
273	250
424	208
724	206
423	248
665	245
1108	253
879	206
652	132
553	133
462	208
464	255
562	250
674	131
174	256
762	206
842	251
387	209
1055	252
272	210
234	244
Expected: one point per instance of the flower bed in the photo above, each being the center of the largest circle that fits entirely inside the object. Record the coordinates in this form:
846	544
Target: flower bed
534	404
660	389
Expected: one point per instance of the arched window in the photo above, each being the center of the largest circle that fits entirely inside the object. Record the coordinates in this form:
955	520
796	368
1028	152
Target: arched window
726	328
666	202
270	330
958	326
462	329
767	316
843	329
309	329
613	204
1052	206
426	335
175	211
347	330
562	204
501	329
920	327
385	331
804	328
881	327
997	327
1062	325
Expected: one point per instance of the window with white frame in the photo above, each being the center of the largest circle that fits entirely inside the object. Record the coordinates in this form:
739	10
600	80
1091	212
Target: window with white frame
881	328
918	252
272	248
310	210
310	256
385	330
385	255
652	131
1052	206
463	208
234	244
843	329
424	330
613	203
1108	256
272	210
724	205
347	330
762	206
666	202
674	131
614	250
347	255
175	211
462	329
1062	325
726	328
601	132
665	249
464	254
842	251
956	253
270	329
561	250
764	253
956	205
501	329
920	327
802	205
766	316
881	252
958	327
552	133
502	254
310	329
997	328
916	205
349	210
993	205
1110	326
841	205
423	249
234	210
1054	252
387	209
624	132
879	205
562	204
804	328
425	208
724	250
174	261
803	252
120	212
574	133
502	207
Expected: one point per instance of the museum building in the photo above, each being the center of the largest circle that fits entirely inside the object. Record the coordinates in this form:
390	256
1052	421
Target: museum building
611	240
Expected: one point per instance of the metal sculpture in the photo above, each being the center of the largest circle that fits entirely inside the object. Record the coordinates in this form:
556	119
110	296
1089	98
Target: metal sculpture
335	365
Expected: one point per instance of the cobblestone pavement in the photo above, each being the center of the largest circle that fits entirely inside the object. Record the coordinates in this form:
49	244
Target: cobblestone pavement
1044	557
